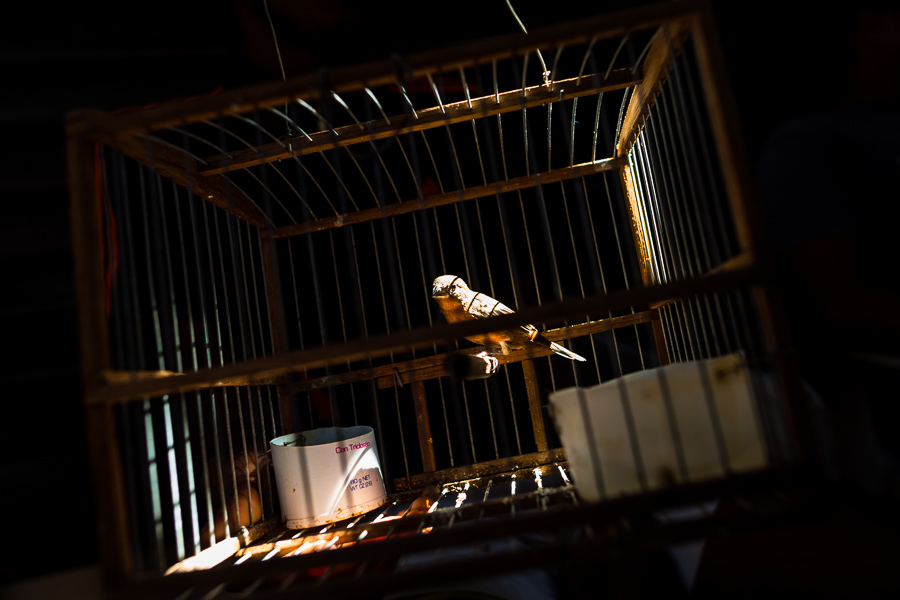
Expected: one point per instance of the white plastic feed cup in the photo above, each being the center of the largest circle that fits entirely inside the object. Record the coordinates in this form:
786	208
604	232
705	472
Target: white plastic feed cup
327	475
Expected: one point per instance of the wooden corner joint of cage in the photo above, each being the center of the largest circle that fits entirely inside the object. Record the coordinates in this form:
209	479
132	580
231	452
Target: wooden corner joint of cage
87	123
659	61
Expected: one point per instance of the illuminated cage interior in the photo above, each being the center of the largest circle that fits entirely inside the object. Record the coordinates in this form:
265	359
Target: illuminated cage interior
262	262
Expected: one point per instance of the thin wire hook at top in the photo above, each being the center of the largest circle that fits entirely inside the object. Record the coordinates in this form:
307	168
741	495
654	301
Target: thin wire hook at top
522	25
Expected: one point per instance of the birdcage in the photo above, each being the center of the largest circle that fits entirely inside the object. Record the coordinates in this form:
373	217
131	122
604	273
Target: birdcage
260	263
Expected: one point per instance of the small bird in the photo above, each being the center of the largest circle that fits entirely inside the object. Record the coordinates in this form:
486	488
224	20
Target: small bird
459	303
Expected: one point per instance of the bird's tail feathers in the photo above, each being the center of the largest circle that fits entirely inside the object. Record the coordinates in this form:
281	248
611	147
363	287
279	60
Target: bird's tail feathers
566	353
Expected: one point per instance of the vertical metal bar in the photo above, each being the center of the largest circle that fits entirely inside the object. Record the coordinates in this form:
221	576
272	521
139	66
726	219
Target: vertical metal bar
721	447
152	465
632	434
686	223
343	195
129	350
674	430
725	129
158	463
468	250
587	221
576	262
225	317
656	218
462	389
387	328
425	288
437	230
214	342
264	323
339	298
593	446
394	269
684	240
581	203
650	207
487	264
586	204
597	126
549	137
659	336
247	333
639	219
683	332
425	241
697	193
677	167
702	195
631	189
180	515
191	356
528	245
293	270
571	135
672	335
679	332
400	429
667	199
525	116
205	339
690	326
504	223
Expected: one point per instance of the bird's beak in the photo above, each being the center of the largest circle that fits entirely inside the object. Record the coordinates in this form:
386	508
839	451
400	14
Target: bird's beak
438	292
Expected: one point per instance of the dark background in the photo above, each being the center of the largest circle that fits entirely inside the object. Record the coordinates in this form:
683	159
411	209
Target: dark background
54	58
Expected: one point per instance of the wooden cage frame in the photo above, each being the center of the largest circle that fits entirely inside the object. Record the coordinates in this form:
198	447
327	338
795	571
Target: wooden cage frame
104	388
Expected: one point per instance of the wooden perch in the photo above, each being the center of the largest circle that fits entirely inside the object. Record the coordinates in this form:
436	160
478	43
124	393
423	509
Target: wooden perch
387	375
492	469
435	366
431	367
382	345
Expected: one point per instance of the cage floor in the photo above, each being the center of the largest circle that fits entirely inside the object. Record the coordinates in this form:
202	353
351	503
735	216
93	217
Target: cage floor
455	506
541	540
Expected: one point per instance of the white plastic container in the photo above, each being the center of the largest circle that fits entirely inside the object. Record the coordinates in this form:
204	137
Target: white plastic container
327	475
677	423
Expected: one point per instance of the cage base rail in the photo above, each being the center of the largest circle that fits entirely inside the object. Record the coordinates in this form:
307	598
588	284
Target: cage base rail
597	533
